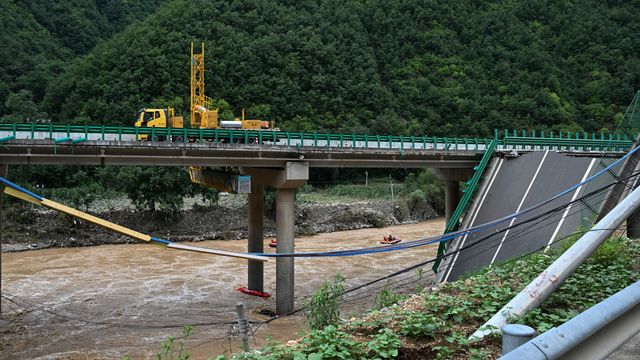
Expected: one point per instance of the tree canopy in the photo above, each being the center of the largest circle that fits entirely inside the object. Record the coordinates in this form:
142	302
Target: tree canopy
369	66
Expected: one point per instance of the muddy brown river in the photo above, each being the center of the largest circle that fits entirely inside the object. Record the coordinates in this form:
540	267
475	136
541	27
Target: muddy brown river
109	301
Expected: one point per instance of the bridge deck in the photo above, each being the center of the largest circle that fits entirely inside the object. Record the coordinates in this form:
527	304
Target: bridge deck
104	145
217	154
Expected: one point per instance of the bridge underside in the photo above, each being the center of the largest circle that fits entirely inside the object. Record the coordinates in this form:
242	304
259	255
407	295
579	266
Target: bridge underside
514	184
42	152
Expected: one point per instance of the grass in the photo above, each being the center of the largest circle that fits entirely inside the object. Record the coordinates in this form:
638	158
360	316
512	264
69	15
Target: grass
348	193
436	324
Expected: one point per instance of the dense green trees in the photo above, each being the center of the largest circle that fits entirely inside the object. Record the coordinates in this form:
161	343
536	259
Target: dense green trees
411	67
40	38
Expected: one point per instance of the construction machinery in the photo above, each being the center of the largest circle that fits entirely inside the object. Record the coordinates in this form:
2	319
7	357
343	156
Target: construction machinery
158	118
203	114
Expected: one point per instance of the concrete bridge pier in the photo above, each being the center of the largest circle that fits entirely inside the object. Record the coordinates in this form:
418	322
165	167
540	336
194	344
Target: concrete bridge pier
285	181
255	276
452	179
285	234
451	198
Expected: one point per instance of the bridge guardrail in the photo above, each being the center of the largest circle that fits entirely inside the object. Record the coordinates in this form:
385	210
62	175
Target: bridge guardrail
524	143
505	140
272	137
564	140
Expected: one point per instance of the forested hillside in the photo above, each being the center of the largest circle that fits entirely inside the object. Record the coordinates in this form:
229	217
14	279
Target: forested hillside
374	66
40	38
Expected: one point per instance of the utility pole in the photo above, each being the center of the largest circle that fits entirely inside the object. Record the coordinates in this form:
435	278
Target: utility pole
242	324
391	181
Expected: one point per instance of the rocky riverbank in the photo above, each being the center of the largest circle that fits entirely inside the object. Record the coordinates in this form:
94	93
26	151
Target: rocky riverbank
28	228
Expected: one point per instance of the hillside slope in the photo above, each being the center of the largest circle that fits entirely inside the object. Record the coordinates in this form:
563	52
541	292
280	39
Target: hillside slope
410	67
40	38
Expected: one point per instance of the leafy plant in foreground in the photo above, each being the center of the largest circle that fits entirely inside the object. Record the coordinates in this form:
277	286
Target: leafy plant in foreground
168	351
384	345
324	306
419	324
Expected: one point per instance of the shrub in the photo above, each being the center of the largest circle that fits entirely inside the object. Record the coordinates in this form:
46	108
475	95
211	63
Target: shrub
323	308
330	343
386	298
417	203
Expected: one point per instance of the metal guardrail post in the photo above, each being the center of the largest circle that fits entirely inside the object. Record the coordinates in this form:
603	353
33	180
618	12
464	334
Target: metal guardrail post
592	334
514	335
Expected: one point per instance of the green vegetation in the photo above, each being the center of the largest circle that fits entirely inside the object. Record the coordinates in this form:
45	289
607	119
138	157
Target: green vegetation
436	324
417	192
330	343
169	350
416	67
386	297
323	308
40	39
149	188
422	189
348	193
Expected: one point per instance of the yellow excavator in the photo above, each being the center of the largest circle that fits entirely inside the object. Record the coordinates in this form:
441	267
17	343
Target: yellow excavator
203	115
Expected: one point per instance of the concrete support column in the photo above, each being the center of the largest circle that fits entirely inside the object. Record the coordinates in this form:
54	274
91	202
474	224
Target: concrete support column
452	198
255	275
285	232
452	178
286	180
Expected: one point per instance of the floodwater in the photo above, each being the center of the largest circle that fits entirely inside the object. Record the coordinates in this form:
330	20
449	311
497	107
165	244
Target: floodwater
109	301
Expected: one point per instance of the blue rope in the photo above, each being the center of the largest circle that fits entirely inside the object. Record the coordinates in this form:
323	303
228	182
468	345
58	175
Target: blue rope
161	241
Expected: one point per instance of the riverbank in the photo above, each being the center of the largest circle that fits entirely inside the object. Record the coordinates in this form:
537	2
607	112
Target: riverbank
27	227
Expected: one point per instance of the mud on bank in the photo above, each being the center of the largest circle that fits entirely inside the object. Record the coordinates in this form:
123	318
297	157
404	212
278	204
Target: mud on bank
28	228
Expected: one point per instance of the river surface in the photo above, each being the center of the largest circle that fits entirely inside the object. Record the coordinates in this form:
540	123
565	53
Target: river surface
109	301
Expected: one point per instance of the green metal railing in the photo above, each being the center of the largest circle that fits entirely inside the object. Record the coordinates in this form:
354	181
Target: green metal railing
261	137
564	140
505	139
454	222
